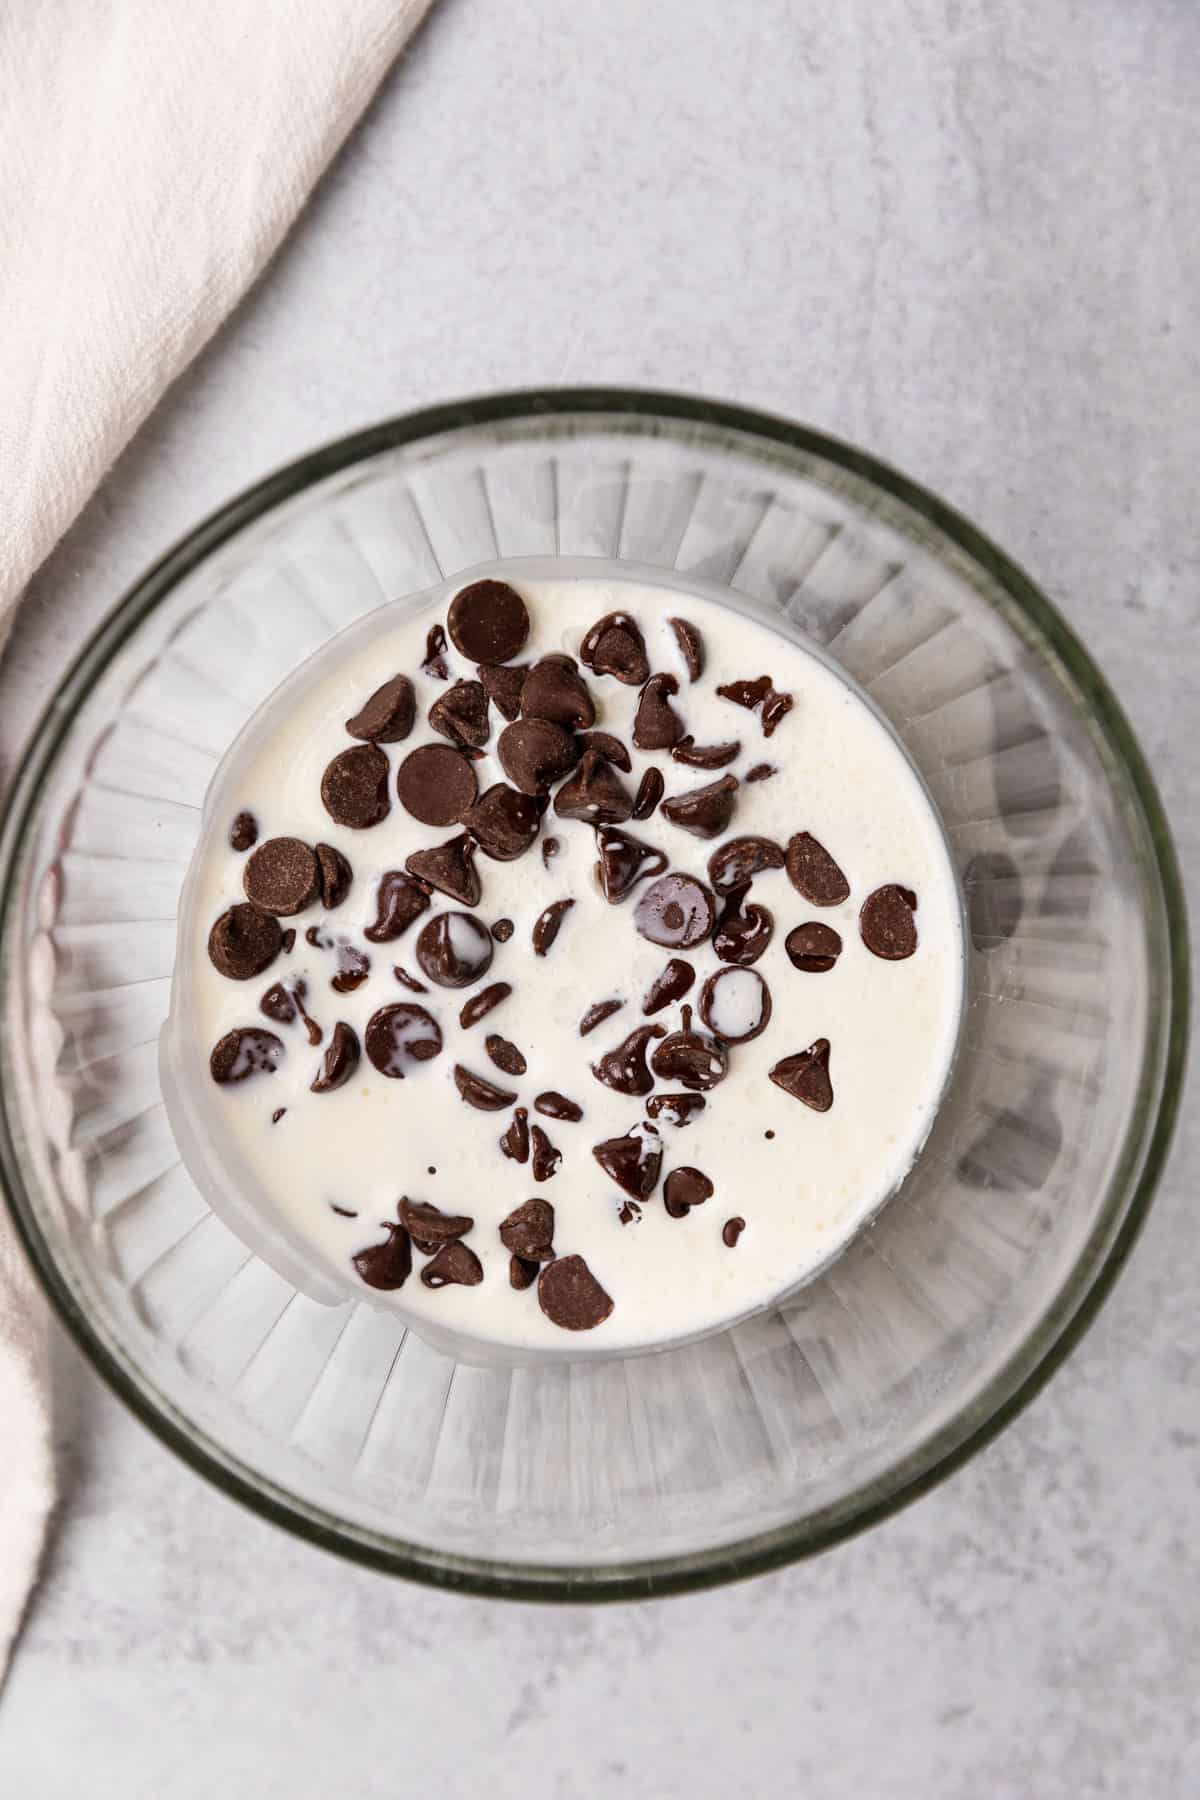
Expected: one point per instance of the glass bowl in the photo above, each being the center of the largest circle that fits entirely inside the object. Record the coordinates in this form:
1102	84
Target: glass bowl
778	1436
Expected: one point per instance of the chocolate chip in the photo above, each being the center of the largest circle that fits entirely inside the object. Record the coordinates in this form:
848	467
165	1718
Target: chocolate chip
736	1005
387	717
488	622
343	1212
706	756
670	986
435	665
340	1060
283	1003
550	849
543	1157
353	968
243	942
502	930
515	1141
813	872
731	1231
477	1091
656	724
614	646
461	714
409	981
335	876
554	1105
683	1189
624	1069
450	868
775	708
813	947
760	696
282	876
503	822
623	862
555	690
595	793
479	1005
454	949
534	754
610	748
740	860
400	900
387	1265
886	922
629	1212
247	1050
678	1109
402	1033
504	1054
570	1295
651	789
243	833
596	1015
528	1231
502	683
455	1264
704	812
742	932
429	1227
289	940
522	1273
677	911
691	647
632	1161
548	924
354	787
761	772
805	1076
690	1058
436	784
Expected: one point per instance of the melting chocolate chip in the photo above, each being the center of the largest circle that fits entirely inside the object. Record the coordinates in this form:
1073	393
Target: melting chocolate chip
454	949
399	902
805	1076
534	754
461	714
409	981
677	911
742	932
651	789
813	872
550	849
629	1212
624	1069
731	1231
740	860
623	862
503	822
243	942
340	1060
436	784
678	1109
706	756
479	1005
450	868
670	986
543	1157
683	1189
691	647
354	787
596	1015
502	683
429	1227
736	1005
705	812
455	1264
502	930
554	1105
595	793
609	747
632	1161
335	875
435	665
504	1054
387	1265
522	1272
690	1058
515	1141
282	876
759	696
761	772
886	922
353	968
570	1295
813	947
477	1091
387	717
528	1231
243	833
488	622
283	1003
555	690
548	924
399	1034
247	1050
614	646
289	940
656	724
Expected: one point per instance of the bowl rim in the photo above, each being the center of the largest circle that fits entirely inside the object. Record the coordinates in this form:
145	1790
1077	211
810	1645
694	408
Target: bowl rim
1131	1187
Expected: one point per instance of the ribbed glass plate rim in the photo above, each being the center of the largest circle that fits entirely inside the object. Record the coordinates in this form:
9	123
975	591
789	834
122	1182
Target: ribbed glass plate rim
1134	1179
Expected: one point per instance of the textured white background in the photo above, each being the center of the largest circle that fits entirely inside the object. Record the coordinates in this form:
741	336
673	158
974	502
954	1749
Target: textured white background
964	234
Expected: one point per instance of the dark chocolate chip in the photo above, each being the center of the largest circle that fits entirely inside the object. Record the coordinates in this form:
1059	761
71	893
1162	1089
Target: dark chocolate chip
548	924
550	849
409	981
522	1272
677	911
736	1005
759	696
761	772
400	900
683	1189
461	714
623	862
629	1212
502	930
691	647
740	860
504	1054
335	874
632	1161
813	872
436	784
503	822
554	1105
477	1091
743	931
429	1227
813	947
543	1157
596	1015
678	1109
534	754
656	724
614	646
706	756
690	1058
282	876
570	1295
488	622
624	1069
651	789
731	1231
247	1050
450	868
595	793
353	968
528	1231
284	1002
243	833
775	708
555	690
340	1060
354	787
704	812
243	942
387	717
454	949
435	665
399	1034
289	940
479	1005
610	748
502	683
670	986
387	1265
515	1141
455	1264
886	922
805	1076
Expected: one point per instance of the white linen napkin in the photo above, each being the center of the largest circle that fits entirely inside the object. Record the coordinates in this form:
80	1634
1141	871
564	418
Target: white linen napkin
152	156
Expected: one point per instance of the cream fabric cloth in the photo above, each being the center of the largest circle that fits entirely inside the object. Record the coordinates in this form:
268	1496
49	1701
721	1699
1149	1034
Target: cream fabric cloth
152	155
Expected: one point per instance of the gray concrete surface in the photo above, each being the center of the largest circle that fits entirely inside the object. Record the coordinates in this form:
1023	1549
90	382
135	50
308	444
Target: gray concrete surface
963	234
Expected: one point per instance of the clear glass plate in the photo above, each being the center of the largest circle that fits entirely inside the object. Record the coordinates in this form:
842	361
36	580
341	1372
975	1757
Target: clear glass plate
793	1428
